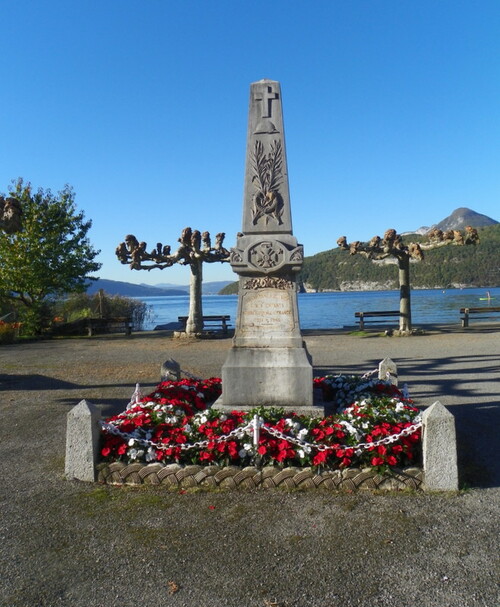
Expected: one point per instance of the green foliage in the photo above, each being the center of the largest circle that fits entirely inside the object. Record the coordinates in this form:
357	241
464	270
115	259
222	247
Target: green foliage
442	267
102	305
51	255
230	289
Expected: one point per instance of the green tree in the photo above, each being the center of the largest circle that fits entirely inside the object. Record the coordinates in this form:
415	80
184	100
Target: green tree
49	256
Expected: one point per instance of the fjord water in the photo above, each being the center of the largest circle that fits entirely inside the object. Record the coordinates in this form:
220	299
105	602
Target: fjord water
336	309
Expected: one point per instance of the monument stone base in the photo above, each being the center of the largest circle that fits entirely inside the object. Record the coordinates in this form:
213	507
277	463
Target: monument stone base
248	374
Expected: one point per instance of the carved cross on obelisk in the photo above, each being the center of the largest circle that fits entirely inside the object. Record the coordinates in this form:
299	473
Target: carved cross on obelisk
268	363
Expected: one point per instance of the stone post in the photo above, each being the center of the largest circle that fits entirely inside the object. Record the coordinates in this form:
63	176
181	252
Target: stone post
439	446
82	441
268	363
387	370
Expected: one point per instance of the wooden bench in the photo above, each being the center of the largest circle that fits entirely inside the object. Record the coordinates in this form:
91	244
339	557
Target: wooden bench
479	314
378	316
92	326
219	322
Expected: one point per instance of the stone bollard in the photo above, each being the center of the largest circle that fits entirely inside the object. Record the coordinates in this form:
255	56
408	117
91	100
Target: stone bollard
388	370
170	370
439	446
82	441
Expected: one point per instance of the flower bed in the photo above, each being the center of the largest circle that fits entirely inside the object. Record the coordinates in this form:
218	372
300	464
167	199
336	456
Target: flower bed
374	431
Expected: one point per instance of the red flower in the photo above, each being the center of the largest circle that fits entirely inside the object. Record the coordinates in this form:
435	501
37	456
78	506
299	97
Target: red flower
318	434
377	461
206	456
319	458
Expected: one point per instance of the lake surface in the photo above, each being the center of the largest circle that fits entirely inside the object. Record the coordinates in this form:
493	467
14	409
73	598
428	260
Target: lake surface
336	310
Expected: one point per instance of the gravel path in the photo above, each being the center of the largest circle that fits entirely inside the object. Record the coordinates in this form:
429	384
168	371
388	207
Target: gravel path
81	545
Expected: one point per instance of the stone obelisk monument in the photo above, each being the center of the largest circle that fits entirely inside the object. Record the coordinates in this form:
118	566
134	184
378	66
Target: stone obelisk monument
268	363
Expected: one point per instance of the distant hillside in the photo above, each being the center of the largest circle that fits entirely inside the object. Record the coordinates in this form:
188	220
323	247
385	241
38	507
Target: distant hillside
458	220
127	289
207	288
230	289
446	267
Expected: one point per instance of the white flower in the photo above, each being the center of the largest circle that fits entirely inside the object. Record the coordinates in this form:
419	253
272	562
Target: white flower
289	422
350	428
248	446
301	453
133	453
302	434
223	418
242	453
131	442
150	455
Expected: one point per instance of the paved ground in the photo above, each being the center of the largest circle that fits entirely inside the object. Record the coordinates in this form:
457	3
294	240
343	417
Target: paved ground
73	544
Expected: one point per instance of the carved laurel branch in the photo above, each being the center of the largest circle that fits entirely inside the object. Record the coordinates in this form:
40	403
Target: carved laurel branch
268	175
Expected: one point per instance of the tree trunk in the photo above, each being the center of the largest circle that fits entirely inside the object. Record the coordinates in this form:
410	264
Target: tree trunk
404	295
195	319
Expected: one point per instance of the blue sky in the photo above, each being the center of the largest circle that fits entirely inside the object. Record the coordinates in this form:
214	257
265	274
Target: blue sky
391	112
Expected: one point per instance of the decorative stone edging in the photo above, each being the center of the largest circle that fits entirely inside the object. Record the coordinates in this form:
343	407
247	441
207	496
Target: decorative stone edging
175	476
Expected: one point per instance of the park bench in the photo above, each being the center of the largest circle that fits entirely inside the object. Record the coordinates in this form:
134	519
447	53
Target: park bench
478	313
93	326
210	322
376	317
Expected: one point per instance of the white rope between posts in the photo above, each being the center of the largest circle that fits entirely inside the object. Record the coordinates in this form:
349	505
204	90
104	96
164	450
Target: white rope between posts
254	428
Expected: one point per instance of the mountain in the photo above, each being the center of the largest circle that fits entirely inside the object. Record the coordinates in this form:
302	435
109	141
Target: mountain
458	220
127	289
462	217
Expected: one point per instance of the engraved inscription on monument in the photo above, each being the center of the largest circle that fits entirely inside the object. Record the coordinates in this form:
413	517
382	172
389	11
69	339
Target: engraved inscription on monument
266	310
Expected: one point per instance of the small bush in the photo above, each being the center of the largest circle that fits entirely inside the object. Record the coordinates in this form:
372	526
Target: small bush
102	305
9	332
